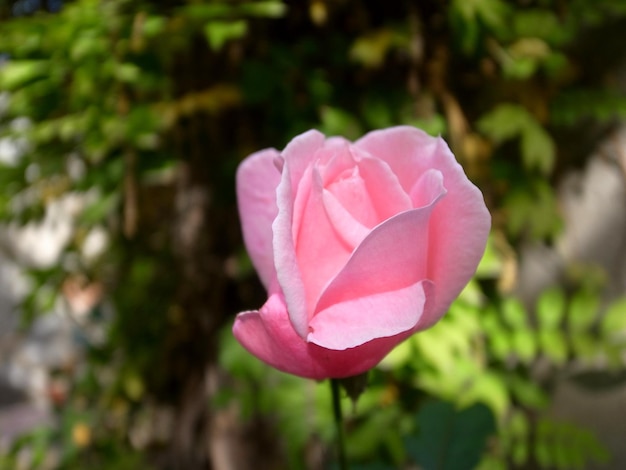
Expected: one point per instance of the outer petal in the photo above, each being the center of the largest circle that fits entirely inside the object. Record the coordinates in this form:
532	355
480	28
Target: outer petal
268	335
298	154
257	180
408	150
355	322
459	225
458	232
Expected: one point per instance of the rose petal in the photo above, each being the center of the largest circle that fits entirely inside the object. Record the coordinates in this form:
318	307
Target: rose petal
458	234
320	252
393	256
427	188
409	151
352	361
298	155
460	224
300	152
349	230
349	190
334	159
357	321
257	179
268	335
384	189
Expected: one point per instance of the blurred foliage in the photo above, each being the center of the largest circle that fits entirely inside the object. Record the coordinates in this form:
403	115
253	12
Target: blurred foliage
144	109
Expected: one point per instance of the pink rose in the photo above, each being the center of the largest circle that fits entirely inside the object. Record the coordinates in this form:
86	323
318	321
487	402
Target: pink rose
359	246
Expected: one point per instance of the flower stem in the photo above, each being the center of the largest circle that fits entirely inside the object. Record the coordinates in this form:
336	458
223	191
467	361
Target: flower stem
334	386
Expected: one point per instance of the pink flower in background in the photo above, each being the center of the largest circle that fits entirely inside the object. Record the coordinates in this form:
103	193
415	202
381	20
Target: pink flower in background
359	246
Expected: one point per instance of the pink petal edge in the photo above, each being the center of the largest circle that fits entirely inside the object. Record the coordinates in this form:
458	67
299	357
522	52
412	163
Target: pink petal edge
256	181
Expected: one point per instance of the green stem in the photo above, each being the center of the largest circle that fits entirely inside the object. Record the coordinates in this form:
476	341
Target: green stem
341	448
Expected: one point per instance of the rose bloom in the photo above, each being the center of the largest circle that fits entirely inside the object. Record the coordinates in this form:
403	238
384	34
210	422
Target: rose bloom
359	246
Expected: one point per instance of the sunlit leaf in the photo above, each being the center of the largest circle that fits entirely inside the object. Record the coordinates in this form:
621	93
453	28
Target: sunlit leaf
514	313
490	389
551	308
266	9
528	393
524	344
219	33
17	73
370	50
336	121
491	263
583	310
553	345
613	323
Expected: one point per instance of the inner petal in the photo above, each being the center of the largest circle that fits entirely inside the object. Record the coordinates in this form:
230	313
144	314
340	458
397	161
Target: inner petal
386	194
427	188
350	230
350	191
320	252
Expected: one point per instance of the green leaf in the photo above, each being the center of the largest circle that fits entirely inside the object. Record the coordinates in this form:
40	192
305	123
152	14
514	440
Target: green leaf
498	336
519	453
538	149
367	435
533	210
553	345
434	125
434	348
370	50
203	11
524	344
551	308
614	319
153	25
541	23
17	73
518	424
399	356
585	346
504	122
507	121
514	313
527	392
219	33
520	68
564	445
491	263
266	9
490	389
127	72
583	310
469	17
336	121
572	106
450	439
100	209
543	454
